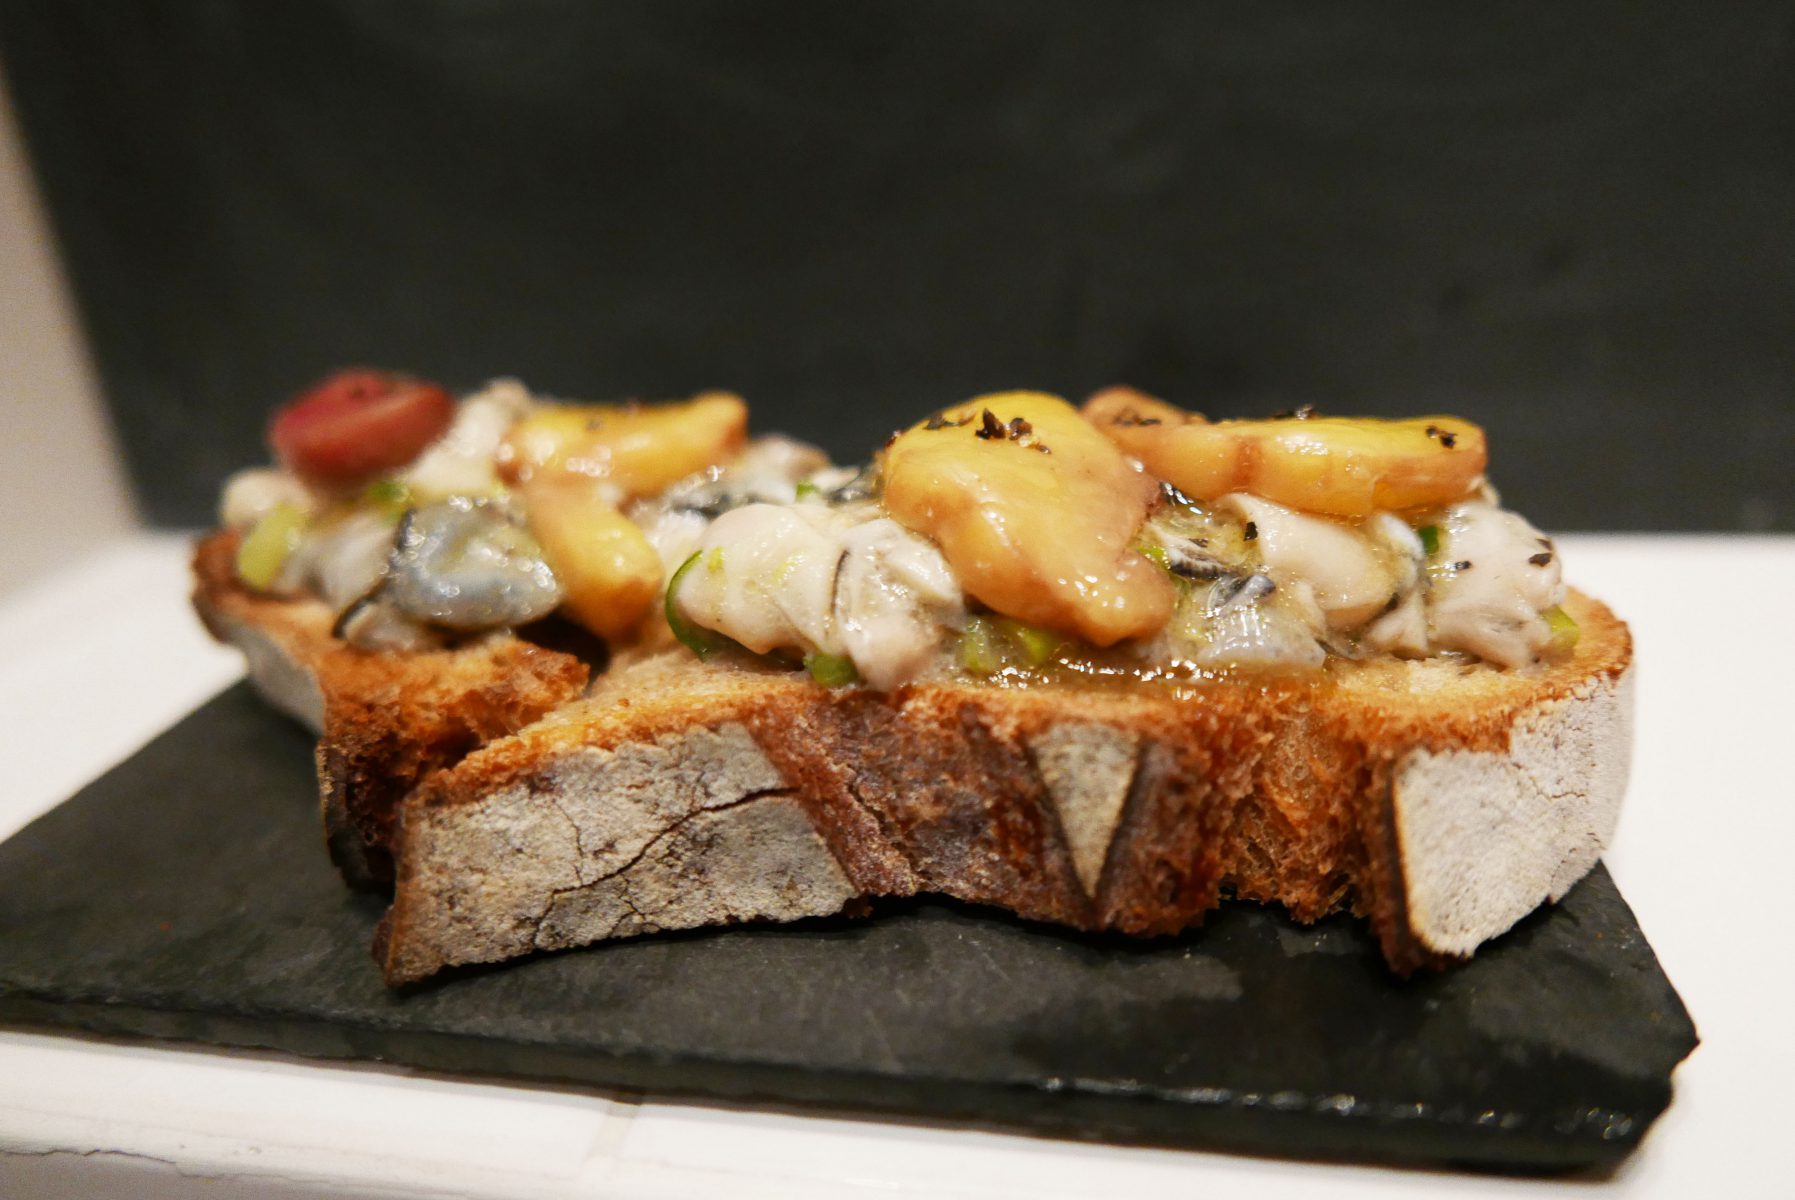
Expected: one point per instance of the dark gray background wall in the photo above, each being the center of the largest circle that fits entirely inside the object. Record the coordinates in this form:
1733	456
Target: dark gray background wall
1572	223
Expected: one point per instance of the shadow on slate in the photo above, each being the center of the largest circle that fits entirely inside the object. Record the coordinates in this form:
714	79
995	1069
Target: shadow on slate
184	895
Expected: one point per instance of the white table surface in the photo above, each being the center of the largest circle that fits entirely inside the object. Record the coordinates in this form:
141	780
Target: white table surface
100	656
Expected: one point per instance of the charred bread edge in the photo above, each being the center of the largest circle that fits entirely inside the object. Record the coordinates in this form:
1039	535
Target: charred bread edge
685	795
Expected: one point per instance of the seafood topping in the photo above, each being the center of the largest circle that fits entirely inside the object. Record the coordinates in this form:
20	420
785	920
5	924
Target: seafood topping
1489	597
1343	467
466	565
840	584
1035	511
632	449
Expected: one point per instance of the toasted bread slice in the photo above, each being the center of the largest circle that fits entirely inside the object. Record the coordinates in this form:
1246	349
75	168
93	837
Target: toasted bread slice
1441	799
386	720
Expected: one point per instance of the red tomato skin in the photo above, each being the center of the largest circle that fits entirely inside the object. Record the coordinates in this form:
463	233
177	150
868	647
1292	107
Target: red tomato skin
358	425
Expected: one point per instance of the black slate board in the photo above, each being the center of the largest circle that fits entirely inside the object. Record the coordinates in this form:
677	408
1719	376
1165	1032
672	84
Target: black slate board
184	895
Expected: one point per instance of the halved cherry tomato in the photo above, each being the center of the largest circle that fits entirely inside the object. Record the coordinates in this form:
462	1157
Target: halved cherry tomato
359	424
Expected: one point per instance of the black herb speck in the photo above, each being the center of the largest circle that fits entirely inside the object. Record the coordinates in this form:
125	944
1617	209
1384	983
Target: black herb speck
1252	531
1541	559
1019	430
1463	564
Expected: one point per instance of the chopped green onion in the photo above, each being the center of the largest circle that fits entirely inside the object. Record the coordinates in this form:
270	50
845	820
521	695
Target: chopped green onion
1156	554
992	644
713	561
388	492
388	497
1036	644
268	545
831	670
1430	539
698	640
807	489
980	653
1565	630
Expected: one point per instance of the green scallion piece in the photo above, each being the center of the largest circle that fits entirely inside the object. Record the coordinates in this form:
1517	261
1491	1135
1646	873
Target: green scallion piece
1430	539
698	640
1565	630
269	543
387	491
388	497
1036	645
980	651
831	670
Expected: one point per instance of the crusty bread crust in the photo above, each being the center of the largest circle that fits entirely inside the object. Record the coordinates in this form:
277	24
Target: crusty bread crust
1442	800
386	721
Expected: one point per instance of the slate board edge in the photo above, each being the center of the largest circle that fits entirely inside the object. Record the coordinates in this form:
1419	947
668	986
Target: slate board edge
1220	1123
